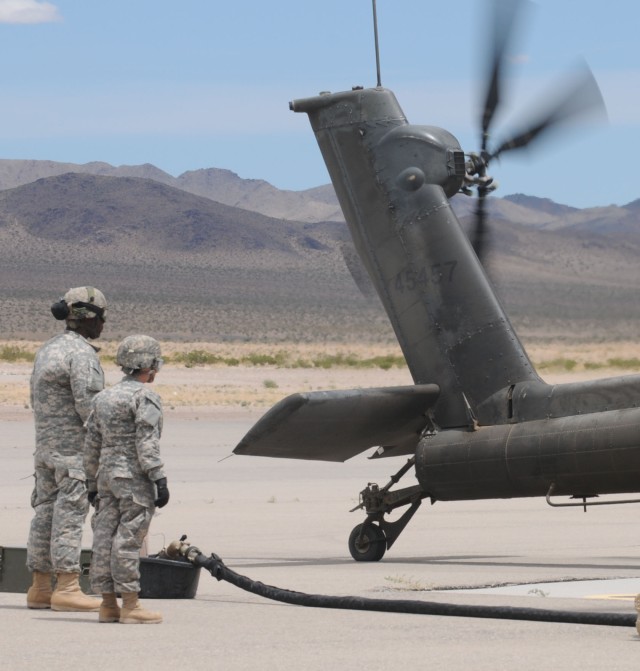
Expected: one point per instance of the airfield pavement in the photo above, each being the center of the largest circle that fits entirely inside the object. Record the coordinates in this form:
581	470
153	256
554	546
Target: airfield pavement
286	523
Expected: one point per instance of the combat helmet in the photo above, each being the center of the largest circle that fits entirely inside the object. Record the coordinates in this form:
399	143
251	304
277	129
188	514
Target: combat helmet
81	303
136	352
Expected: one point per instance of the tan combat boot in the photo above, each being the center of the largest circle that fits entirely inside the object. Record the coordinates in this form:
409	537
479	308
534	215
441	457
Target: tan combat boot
68	597
39	594
133	613
109	609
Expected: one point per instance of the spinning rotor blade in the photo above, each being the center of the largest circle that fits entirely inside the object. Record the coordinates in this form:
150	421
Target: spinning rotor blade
581	97
505	14
480	231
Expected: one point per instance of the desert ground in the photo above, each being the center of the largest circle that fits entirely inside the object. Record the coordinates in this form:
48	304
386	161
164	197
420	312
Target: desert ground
207	389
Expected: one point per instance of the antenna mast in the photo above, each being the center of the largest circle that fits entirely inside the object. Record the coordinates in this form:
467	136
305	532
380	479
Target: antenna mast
375	33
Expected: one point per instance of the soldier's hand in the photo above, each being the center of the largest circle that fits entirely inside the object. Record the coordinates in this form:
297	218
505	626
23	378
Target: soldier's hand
163	493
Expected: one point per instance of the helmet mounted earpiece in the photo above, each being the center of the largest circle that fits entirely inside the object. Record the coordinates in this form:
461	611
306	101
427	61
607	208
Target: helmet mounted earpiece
80	303
60	309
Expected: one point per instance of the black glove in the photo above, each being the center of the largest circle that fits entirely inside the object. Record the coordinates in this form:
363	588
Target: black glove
92	496
163	493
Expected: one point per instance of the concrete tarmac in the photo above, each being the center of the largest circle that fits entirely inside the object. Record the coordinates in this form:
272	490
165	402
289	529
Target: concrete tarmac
286	523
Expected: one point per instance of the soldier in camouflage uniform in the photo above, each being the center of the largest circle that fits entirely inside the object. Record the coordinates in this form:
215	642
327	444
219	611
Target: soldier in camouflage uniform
66	377
125	476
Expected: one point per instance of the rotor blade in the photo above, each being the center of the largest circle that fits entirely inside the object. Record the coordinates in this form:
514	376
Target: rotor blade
580	97
505	13
479	233
358	271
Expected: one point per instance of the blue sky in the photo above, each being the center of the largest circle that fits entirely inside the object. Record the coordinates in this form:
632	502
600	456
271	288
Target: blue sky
203	83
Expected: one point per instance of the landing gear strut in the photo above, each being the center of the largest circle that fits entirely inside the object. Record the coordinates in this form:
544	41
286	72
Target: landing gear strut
371	539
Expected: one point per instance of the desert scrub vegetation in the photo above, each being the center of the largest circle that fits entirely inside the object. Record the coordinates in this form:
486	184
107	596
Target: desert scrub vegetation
557	364
284	359
353	361
13	353
571	365
620	357
201	358
627	364
253	354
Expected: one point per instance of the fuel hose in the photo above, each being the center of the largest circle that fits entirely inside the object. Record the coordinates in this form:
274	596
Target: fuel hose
217	568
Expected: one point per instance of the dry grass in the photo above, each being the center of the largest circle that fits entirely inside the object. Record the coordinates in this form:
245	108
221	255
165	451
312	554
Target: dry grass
616	356
241	351
260	386
586	355
252	386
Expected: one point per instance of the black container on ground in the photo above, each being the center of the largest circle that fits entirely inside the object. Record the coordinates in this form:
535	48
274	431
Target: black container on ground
167	578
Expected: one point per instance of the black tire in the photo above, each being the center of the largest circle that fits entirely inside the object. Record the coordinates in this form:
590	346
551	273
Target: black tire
372	546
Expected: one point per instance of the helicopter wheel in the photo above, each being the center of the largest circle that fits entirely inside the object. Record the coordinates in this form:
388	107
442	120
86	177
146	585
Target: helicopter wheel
371	547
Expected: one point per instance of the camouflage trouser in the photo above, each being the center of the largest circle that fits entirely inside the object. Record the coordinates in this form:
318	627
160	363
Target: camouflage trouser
121	525
60	505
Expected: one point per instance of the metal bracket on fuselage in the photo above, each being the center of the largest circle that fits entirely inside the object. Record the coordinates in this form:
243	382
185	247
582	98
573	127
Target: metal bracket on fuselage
584	503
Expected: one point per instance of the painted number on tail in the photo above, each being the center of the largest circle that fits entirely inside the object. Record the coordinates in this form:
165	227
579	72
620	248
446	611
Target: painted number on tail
411	279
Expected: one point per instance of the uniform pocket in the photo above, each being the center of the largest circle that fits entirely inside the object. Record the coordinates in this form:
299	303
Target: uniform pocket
77	474
96	378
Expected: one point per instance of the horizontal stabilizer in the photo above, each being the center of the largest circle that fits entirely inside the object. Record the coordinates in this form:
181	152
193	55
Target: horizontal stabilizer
337	425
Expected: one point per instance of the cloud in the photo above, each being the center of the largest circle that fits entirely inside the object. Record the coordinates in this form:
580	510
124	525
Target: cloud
28	11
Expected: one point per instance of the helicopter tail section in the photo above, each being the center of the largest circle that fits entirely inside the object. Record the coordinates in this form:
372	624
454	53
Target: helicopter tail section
393	181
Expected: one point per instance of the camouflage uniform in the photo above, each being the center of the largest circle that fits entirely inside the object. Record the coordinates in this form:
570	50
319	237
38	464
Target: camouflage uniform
66	377
122	452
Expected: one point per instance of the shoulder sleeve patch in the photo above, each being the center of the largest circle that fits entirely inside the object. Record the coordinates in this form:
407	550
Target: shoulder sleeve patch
150	409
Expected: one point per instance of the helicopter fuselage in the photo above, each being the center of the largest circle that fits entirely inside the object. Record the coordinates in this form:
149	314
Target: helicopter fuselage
581	456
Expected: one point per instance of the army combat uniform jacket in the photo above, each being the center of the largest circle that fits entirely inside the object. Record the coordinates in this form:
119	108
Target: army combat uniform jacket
122	462
66	377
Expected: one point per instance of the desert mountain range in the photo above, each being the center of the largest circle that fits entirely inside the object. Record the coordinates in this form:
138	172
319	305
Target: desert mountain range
209	256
